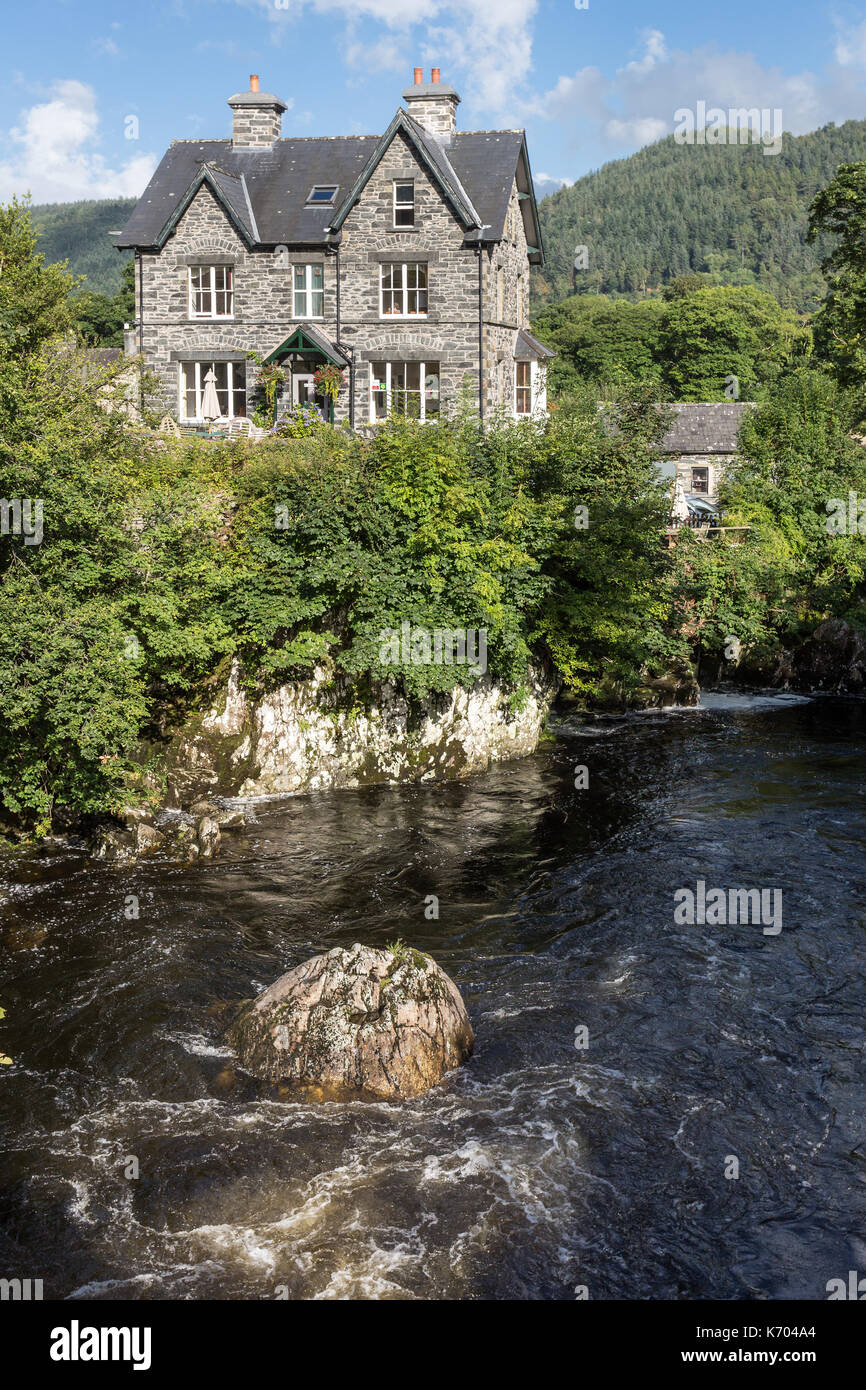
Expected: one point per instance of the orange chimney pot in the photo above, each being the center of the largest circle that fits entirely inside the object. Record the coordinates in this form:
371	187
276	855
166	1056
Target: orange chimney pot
437	74
254	82
419	76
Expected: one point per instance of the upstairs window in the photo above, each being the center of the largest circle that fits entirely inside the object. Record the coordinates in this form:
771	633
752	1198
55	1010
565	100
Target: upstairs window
523	388
404	203
210	292
323	193
308	299
701	480
403	292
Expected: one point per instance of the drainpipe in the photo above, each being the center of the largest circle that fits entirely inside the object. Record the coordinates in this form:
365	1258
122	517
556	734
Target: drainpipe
140	258
349	351
337	251
480	332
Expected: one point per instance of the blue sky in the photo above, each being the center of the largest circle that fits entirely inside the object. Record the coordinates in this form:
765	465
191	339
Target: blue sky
589	84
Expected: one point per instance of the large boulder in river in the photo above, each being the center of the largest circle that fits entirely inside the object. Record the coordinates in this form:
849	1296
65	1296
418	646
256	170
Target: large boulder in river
358	1024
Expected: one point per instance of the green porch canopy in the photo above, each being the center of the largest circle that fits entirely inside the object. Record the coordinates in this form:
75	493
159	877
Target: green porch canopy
309	340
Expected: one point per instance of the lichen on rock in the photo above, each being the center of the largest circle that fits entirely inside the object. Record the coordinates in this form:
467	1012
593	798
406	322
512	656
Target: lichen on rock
356	1024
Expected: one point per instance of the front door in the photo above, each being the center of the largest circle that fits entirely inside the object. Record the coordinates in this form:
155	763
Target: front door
303	389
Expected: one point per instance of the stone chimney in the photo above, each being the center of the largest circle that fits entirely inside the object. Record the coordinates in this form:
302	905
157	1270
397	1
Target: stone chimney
258	117
433	105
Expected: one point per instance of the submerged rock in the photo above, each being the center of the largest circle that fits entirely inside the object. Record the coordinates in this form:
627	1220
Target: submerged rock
208	837
358	1024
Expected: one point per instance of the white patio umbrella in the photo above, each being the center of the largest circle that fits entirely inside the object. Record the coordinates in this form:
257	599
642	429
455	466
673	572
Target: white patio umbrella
679	505
210	406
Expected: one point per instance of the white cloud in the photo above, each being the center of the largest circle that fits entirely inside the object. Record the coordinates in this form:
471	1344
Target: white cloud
850	50
106	47
654	41
54	152
554	178
636	106
484	47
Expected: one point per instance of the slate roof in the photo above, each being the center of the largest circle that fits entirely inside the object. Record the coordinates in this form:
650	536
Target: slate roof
267	189
705	428
532	346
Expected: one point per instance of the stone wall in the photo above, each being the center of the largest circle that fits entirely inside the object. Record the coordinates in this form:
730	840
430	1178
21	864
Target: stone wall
449	334
501	323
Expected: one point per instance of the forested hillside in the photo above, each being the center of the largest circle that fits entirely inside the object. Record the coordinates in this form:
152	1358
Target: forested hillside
669	210
79	233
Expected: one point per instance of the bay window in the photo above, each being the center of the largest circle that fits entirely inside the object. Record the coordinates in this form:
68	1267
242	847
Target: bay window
309	292
211	294
403	290
523	387
404	388
231	388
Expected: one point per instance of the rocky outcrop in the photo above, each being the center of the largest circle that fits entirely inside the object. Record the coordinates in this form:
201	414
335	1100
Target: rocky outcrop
356	1024
832	658
301	737
676	687
175	835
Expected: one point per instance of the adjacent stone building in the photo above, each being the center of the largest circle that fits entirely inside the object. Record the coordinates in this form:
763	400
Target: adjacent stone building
701	443
402	260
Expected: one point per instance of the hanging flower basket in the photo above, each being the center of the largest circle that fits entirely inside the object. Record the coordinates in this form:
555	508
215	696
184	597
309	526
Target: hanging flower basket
270	376
328	381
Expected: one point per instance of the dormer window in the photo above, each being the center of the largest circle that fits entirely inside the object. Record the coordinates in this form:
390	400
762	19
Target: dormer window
404	203
322	194
211	295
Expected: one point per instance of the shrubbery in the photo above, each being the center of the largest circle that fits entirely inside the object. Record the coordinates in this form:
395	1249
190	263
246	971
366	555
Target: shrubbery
162	561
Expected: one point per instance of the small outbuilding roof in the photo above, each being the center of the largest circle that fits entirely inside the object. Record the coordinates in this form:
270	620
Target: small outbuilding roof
705	428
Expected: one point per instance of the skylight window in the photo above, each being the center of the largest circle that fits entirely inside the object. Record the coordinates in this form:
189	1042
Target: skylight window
323	193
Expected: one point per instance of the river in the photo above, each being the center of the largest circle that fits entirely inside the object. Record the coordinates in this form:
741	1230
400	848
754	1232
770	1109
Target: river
139	1163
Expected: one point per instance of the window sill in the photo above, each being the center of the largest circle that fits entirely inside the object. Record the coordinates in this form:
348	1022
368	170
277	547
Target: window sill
210	318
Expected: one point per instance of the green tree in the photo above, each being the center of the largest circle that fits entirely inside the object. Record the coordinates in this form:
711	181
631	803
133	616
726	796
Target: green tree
721	331
34	297
839	210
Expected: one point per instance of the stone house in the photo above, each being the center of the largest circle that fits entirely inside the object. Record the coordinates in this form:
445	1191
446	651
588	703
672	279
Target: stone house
701	443
402	260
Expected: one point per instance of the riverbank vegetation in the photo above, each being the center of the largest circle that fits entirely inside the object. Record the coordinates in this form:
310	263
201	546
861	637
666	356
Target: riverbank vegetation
159	561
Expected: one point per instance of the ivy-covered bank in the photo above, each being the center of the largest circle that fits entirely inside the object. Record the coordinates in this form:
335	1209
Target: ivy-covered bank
139	576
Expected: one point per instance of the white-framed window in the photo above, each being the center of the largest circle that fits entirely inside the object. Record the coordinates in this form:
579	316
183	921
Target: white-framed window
308	291
404	202
404	388
523	386
231	388
211	292
403	290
